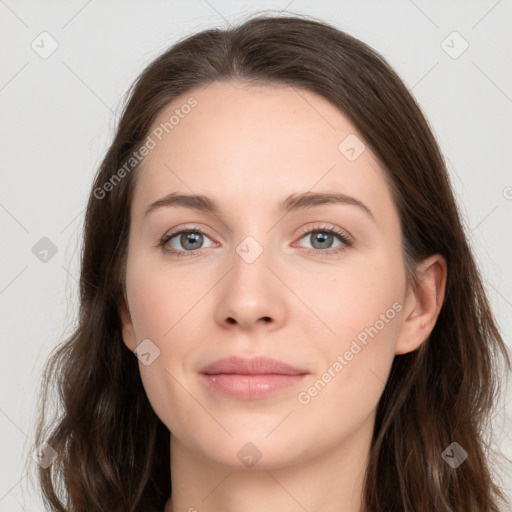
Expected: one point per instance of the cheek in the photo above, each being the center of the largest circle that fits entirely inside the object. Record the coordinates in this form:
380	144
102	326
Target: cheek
164	308
158	305
345	392
350	300
361	313
159	298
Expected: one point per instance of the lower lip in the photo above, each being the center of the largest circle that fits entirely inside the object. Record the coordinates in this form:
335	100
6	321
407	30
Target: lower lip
251	387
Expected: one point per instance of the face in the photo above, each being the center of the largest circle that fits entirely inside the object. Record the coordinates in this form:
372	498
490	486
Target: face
318	285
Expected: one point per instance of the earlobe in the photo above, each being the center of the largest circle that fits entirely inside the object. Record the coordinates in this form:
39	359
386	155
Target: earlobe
423	304
128	331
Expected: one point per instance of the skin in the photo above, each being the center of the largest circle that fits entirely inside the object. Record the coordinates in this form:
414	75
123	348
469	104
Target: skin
249	148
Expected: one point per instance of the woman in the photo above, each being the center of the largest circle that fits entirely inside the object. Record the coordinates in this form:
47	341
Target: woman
354	373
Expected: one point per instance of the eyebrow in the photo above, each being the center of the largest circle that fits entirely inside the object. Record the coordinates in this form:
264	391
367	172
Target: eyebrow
294	202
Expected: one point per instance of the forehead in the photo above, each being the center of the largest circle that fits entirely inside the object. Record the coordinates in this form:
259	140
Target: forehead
265	142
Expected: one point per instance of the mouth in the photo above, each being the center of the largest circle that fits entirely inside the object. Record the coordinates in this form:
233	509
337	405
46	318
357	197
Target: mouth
250	379
250	387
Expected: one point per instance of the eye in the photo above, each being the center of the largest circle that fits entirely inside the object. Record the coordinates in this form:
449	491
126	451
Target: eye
191	239
323	236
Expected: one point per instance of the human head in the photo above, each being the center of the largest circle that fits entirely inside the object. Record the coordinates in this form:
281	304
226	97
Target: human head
302	54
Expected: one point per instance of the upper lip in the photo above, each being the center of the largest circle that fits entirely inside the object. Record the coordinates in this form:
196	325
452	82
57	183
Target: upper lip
252	366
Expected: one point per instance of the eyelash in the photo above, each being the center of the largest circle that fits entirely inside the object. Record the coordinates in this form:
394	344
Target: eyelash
345	238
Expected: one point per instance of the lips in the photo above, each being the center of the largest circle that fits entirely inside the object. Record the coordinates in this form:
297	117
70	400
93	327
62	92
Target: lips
250	379
253	366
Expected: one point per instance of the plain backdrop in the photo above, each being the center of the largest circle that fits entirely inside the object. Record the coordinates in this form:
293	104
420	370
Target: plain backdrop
59	111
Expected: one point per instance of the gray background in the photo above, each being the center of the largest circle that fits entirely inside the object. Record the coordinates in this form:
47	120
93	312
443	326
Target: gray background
58	115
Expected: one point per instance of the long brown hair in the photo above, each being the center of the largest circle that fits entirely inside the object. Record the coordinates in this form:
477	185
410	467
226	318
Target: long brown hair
112	451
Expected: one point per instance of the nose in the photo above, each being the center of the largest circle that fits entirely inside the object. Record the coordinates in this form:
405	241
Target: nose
251	296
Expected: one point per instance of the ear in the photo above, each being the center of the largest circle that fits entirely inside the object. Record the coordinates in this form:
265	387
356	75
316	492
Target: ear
422	304
129	337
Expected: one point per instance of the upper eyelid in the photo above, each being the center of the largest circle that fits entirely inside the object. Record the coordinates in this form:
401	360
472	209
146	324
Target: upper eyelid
328	227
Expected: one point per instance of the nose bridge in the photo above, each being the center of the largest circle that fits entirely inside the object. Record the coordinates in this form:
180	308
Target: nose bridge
249	292
251	232
254	233
250	263
251	249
